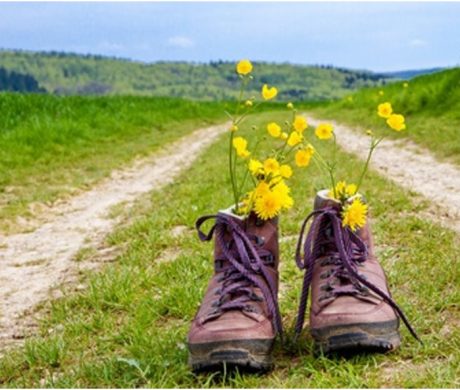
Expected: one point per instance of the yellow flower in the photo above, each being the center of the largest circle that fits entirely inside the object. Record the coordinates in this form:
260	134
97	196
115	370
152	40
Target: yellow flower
285	171
303	156
261	189
343	191
240	144
294	139
381	93
290	106
269	93
300	124
248	103
354	214
284	136
406	85
271	165
350	189
244	67
268	205
324	131
234	128
396	122
282	191
255	166
384	110
274	129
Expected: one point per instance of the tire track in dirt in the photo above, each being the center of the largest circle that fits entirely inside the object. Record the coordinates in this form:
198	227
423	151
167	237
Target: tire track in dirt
411	167
32	264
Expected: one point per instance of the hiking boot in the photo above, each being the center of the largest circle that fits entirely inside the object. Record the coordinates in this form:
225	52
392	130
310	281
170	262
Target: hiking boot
238	320
351	307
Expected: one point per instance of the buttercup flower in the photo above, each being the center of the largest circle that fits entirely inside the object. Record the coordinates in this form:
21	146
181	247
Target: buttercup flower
274	129
294	139
268	205
271	165
282	191
240	144
244	67
354	214
324	131
269	93
303	156
285	171
396	122
255	166
300	124
384	110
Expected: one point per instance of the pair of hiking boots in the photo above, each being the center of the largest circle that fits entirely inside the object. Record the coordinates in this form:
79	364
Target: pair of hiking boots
351	308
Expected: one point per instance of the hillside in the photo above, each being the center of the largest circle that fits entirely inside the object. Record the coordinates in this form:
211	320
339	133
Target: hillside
67	74
431	104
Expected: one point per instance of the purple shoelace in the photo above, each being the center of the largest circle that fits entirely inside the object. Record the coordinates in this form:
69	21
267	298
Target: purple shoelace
246	267
345	250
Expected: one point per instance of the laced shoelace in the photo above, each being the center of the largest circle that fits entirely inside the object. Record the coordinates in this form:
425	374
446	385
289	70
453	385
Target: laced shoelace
349	250
245	269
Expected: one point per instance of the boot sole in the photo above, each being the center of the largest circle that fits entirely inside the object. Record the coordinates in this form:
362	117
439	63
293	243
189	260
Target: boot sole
250	355
357	338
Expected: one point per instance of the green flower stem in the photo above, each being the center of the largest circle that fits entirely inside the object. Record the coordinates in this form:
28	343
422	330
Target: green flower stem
374	145
230	166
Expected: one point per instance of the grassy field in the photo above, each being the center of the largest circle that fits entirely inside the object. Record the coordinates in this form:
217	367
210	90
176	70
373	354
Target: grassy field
52	146
128	327
430	103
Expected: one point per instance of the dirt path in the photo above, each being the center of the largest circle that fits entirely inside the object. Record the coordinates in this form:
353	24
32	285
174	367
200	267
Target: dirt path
31	264
413	168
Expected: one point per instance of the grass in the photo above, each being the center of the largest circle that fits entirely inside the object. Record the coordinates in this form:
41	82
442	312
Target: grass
430	103
52	146
128	328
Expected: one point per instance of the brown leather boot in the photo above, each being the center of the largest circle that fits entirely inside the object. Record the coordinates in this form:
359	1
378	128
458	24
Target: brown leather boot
351	307
239	318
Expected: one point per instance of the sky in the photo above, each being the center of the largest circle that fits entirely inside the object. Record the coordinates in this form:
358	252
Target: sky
375	36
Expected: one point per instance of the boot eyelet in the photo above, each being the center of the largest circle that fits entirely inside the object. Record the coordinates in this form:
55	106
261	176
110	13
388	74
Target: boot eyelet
260	240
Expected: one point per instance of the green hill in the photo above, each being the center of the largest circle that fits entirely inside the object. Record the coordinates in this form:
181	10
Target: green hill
431	104
67	74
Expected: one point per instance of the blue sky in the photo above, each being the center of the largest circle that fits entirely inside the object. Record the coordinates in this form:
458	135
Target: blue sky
376	36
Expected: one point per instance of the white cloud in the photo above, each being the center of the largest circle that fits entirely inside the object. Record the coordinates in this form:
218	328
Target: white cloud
181	41
417	42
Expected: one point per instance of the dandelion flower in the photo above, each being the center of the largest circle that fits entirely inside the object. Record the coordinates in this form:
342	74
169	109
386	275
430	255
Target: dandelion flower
268	205
282	190
300	124
294	139
384	110
274	129
269	93
354	214
396	122
271	165
261	189
324	131
244	67
285	171
240	143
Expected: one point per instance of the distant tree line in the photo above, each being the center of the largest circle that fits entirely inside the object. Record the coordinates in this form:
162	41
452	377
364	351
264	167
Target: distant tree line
17	82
